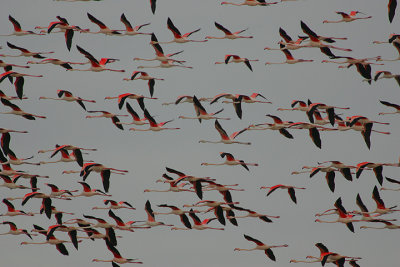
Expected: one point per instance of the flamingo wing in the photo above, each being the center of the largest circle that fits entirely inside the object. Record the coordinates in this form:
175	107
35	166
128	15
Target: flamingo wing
249	238
222	28
173	29
392	9
105	177
96	21
284	35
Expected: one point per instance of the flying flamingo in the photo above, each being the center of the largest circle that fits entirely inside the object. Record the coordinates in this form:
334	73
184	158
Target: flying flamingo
364	210
17	161
10	183
136	119
19	81
8	67
75	155
151	221
389	180
115	205
178	37
176	211
250	3
343	168
15	231
225	139
237	59
10	98
289	58
314	40
278	125
106	114
261	246
201	113
329	109
103	28
56	192
250	99
104	171
228	34
146	77
18	30
388	225
132	30
302	106
173	187
11	211
154	126
376	167
186	99
65	27
6	138
123	97
397	107
96	65
58	62
101	223
198	224
46	201
380	205
312	129
18	111
230	160
344	216
88	192
160	56
118	259
387	75
166	64
327	256
69	97
347	17
254	214
290	189
25	52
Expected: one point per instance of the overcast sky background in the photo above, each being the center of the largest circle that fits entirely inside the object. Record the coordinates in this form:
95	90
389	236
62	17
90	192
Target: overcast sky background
146	154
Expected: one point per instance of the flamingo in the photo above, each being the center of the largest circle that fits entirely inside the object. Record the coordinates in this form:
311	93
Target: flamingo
380	205
8	66
166	64
103	28
160	56
250	99
254	214
198	224
312	129
106	114
18	111
228	34
6	138
96	65
58	62
101	223
329	109
278	125
314	40
51	239
56	192
11	211
250	3
18	30
397	107
343	168
154	126
68	30
344	216
132	30
261	246
186	99
178	37
10	98
15	231
393	38
123	97
146	77
17	161
176	211
172	186
376	167
289	58
237	59
388	225
104	171
69	97
10	183
230	160
327	256
302	106
352	60
151	221
136	119
387	75
117	256
347	17
225	139
391	181
121	225
115	205
202	113
88	192
46	201
76	154
25	52
290	189
364	211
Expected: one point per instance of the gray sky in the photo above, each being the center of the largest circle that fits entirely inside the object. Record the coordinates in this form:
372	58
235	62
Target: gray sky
146	154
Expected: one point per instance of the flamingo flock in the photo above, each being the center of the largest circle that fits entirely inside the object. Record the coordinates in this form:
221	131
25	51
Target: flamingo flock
127	205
